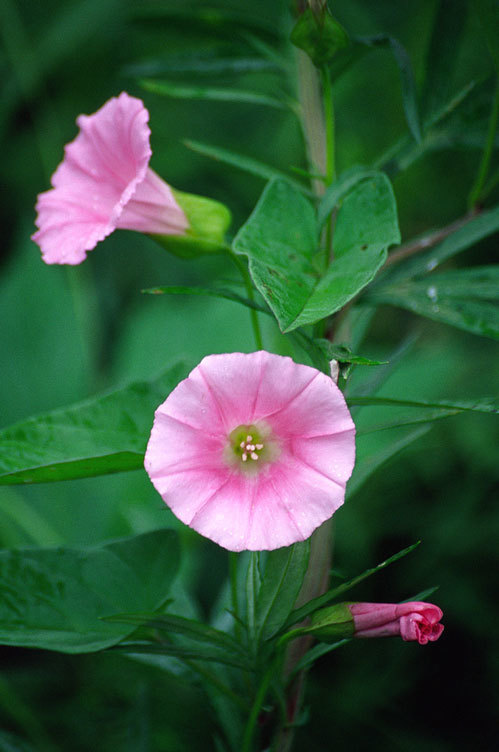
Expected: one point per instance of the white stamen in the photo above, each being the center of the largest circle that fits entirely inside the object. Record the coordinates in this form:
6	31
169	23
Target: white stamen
244	457
249	438
250	447
242	444
254	456
258	446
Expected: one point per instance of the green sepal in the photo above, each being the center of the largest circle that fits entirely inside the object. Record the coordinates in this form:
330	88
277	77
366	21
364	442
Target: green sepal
320	36
327	625
332	623
208	222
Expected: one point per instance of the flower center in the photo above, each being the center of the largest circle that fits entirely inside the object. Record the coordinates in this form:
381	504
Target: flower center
251	446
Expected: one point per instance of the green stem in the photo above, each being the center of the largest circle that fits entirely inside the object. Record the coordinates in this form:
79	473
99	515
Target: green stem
476	191
327	93
327	98
249	731
312	118
251	295
491	184
233	591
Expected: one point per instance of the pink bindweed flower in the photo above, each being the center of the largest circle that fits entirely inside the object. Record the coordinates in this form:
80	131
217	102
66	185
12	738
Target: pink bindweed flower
104	183
412	621
252	450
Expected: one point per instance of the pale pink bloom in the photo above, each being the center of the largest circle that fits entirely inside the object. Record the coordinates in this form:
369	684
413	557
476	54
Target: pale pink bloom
104	183
252	450
412	621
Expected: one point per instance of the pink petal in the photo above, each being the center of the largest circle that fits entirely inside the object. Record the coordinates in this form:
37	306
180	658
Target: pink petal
233	381
332	455
284	382
369	615
390	629
176	447
309	496
318	409
224	516
102	169
431	613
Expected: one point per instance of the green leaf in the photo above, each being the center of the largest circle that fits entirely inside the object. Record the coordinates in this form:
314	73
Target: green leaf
323	600
461	122
337	190
198	64
312	655
243	162
343	354
280	240
409	94
420	412
472	232
214	292
422	595
105	434
481	405
207	19
252	588
459	298
238	96
175	624
369	458
444	47
282	580
319	35
55	598
487	12
185	652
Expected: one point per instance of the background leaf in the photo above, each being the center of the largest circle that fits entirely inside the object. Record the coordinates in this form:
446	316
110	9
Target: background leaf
238	96
322	600
106	434
55	598
409	96
444	46
243	162
459	298
370	457
216	292
469	234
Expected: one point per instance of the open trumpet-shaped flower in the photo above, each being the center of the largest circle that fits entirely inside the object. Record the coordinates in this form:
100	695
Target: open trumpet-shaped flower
252	450
104	183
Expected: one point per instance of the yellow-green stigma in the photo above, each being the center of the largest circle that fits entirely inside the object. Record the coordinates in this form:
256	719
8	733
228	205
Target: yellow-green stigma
250	446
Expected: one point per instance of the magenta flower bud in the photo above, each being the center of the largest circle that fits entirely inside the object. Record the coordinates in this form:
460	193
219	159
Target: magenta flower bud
412	621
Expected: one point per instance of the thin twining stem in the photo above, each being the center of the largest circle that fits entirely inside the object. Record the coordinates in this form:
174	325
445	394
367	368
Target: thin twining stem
428	241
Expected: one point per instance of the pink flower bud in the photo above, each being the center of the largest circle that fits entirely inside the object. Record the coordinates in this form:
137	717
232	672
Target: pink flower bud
412	621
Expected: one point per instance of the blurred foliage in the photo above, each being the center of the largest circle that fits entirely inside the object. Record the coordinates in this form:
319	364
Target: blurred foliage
68	332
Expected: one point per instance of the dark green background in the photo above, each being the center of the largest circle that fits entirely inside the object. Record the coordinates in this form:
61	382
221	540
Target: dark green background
66	333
